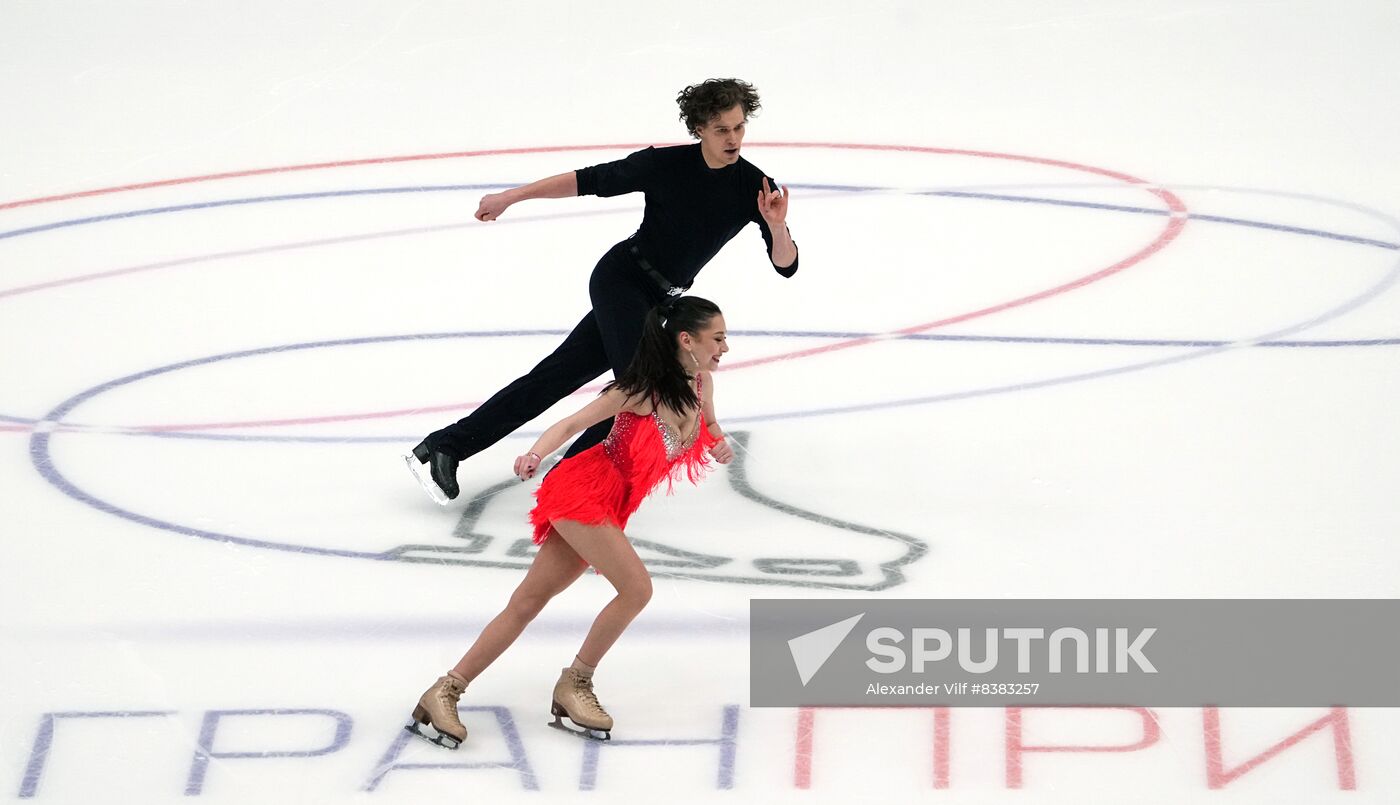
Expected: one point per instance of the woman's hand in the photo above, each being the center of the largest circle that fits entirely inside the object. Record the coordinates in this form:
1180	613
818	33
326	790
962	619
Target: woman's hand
526	465
722	452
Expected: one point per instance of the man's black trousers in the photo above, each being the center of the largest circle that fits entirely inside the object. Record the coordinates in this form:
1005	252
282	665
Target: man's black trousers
605	339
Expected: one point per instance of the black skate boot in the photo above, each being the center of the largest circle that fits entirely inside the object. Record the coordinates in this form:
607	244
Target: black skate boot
436	471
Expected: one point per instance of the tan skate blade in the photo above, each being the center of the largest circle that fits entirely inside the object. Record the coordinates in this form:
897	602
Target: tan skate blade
437	737
578	729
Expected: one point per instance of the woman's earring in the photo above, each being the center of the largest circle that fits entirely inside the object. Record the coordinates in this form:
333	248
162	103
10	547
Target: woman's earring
693	358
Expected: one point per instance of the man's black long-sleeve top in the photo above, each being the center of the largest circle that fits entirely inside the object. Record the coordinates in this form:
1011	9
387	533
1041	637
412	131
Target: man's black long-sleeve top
692	210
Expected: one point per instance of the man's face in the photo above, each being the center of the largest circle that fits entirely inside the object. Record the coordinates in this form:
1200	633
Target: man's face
721	137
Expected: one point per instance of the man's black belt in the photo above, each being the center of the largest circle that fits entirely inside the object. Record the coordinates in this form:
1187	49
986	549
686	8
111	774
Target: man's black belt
656	276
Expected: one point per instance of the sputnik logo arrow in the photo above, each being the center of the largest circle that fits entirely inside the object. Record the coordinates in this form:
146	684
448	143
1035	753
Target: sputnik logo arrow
811	651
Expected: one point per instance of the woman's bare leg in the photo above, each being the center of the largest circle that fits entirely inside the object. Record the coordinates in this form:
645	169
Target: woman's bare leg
606	548
555	567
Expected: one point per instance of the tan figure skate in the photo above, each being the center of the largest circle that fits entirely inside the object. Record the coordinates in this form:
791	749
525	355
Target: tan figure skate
437	710
574	699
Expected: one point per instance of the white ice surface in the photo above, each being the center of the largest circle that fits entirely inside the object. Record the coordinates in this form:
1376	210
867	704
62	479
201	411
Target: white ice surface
1027	464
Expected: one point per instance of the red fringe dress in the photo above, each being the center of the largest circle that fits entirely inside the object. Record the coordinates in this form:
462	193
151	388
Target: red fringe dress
607	482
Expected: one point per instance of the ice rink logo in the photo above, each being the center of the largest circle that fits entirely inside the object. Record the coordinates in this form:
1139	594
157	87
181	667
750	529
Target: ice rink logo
771	541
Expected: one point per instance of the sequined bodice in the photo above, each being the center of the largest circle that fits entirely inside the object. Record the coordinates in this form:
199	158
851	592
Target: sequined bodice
675	446
625	423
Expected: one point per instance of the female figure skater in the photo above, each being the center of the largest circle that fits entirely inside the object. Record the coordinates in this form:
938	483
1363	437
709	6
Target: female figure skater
664	424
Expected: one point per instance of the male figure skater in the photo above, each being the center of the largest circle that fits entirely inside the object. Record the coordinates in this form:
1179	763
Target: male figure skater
698	197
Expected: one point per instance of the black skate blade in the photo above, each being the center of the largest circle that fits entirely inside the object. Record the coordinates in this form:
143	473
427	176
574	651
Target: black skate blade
580	730
437	738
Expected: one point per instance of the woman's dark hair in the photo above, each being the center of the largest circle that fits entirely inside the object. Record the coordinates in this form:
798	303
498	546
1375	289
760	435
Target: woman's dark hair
655	373
703	102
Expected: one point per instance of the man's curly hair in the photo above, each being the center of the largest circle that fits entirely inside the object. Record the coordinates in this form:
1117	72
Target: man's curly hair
703	102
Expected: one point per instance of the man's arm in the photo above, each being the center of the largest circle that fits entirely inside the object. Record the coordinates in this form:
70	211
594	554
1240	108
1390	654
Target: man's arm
563	185
784	250
772	208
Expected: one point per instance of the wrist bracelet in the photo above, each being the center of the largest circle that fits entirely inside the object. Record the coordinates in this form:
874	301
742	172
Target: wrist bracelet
537	456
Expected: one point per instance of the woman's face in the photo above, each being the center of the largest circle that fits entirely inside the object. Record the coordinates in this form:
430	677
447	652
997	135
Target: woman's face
707	346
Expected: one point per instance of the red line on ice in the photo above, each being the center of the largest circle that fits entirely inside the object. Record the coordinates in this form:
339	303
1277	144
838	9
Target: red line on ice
1175	222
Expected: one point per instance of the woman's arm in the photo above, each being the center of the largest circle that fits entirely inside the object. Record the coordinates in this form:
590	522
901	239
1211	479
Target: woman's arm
604	406
722	452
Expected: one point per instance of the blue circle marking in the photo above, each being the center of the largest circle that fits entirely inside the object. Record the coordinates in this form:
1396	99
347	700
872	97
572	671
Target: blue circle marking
40	439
